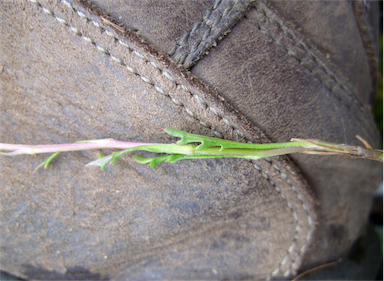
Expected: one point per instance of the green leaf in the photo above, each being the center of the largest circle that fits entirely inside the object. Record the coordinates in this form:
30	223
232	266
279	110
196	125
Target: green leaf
101	162
207	142
176	157
46	162
172	158
153	161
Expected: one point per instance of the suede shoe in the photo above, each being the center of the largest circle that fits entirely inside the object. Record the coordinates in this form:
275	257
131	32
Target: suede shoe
248	71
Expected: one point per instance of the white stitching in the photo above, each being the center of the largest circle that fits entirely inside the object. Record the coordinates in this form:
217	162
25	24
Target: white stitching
196	26
217	133
122	43
169	76
102	49
311	55
119	61
214	111
201	102
226	121
189	112
202	39
285	260
110	34
287	273
154	65
275	272
75	30
216	4
161	90
88	39
175	101
132	70
97	25
173	50
256	166
140	56
294	266
183	39
66	3
292	248
185	88
239	133
82	15
47	11
146	80
35	2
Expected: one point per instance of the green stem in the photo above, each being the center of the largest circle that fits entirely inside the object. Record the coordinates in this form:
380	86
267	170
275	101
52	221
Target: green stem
186	148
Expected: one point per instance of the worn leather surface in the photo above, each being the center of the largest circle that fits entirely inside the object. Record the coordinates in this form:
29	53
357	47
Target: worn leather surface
281	82
367	17
337	38
361	263
70	72
160	23
205	34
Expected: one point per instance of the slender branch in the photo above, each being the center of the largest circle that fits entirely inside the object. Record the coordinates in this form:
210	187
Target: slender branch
186	148
19	149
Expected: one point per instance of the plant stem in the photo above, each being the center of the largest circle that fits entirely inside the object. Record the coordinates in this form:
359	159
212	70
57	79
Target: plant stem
186	148
19	149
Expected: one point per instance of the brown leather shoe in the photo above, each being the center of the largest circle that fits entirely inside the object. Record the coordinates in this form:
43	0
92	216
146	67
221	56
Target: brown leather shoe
72	71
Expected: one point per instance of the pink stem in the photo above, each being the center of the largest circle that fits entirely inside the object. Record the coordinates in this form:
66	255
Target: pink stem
49	148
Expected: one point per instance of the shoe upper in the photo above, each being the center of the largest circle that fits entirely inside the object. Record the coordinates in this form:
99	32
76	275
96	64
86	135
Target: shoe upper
247	71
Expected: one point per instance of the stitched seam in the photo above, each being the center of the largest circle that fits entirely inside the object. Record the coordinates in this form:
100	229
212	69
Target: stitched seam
203	38
360	8
296	263
189	112
133	70
184	39
210	21
291	36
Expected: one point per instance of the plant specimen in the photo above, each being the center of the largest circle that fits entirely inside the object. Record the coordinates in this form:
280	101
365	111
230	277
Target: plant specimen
192	146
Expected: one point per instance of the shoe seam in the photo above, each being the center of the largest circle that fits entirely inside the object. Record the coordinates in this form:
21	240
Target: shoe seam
303	54
367	38
204	34
295	261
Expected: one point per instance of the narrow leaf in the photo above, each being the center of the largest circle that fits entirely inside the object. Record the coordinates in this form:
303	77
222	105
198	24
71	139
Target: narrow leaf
46	162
